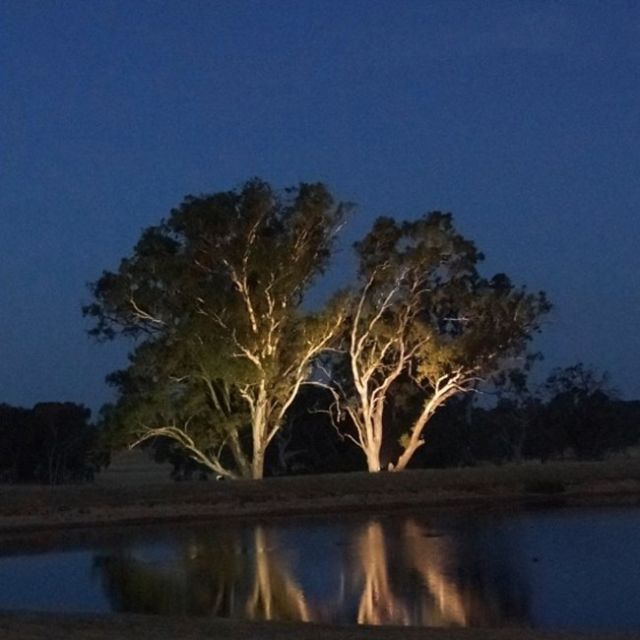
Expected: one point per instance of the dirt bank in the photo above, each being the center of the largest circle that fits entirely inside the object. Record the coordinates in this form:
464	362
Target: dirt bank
25	507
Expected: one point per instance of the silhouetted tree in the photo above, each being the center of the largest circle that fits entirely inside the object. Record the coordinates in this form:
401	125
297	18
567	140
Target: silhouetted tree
52	443
580	413
309	442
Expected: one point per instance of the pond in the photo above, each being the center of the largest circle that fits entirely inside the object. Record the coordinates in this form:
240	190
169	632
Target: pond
553	569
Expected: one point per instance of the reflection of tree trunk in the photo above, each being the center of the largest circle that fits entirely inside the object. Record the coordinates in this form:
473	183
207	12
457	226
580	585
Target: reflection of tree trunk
378	604
430	557
275	596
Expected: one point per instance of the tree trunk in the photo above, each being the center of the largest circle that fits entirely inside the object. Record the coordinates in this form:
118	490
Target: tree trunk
373	460
370	432
415	441
257	465
260	430
407	454
239	456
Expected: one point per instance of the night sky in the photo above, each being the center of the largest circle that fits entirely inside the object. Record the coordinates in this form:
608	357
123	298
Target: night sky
522	118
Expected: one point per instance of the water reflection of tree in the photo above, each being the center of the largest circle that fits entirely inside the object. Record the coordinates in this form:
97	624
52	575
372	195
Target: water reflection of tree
227	576
463	589
275	595
433	557
396	572
454	586
378	602
203	578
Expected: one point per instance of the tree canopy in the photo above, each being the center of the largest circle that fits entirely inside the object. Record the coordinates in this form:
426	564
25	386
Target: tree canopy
423	312
214	295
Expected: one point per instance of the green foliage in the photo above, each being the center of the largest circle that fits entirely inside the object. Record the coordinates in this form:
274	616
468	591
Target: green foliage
424	312
460	318
214	294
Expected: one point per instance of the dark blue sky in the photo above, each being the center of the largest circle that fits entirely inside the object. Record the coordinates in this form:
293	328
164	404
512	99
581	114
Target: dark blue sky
523	118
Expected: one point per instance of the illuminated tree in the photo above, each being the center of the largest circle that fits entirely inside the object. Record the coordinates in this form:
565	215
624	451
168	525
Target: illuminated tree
214	292
423	311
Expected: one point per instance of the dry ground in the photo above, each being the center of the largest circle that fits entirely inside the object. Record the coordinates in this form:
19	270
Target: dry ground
34	507
61	509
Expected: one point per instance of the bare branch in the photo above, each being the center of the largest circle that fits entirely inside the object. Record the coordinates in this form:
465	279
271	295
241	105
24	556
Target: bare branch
179	435
144	316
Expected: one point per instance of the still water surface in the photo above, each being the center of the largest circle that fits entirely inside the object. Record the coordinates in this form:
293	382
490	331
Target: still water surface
577	569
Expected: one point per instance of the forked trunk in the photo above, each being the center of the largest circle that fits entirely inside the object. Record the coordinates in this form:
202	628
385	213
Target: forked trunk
415	440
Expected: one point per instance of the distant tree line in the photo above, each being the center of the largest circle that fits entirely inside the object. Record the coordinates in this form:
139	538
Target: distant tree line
574	415
52	443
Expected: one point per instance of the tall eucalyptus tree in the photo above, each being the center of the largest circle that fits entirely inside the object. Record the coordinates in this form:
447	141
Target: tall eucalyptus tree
213	294
423	311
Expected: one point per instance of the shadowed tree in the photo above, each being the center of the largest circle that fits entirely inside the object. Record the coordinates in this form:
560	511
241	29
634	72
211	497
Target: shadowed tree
19	453
515	420
580	414
214	294
422	310
65	439
51	443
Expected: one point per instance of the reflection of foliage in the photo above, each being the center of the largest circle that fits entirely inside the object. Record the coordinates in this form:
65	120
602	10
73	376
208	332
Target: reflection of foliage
133	586
212	577
202	581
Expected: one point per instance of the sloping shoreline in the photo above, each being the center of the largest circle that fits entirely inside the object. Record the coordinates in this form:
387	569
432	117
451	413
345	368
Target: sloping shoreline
31	508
